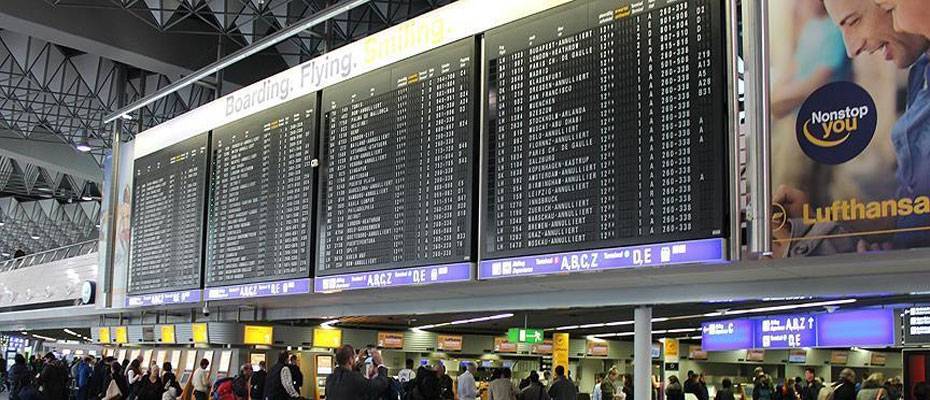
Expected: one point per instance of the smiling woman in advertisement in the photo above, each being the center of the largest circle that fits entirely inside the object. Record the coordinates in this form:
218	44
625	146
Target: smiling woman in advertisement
848	202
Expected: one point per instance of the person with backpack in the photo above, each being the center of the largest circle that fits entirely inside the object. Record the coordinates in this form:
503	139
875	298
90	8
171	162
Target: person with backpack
258	381
674	391
279	385
20	376
446	386
118	387
503	388
243	382
347	384
54	379
150	386
535	390
762	390
425	386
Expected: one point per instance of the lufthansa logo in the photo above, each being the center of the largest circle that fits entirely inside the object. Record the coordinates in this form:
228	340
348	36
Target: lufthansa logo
836	123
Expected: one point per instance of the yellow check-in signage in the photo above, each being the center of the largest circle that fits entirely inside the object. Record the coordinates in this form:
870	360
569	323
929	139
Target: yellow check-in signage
103	335
560	348
167	334
255	334
199	333
327	338
121	334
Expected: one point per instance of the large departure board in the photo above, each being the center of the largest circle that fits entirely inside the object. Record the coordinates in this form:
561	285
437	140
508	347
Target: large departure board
167	218
261	195
605	126
398	155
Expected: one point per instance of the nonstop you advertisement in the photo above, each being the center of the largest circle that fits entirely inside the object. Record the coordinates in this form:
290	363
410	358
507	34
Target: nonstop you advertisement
850	126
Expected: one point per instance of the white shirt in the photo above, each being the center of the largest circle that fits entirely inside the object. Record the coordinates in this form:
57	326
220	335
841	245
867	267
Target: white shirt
467	388
406	375
596	394
201	380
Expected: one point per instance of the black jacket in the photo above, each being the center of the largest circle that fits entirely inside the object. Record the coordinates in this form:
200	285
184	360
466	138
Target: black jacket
725	394
844	391
810	391
54	381
673	392
344	384
563	389
274	389
258	384
297	376
20	376
148	390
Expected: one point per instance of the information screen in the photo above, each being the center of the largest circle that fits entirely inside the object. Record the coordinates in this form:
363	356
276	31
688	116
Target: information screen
167	218
398	155
605	126
261	191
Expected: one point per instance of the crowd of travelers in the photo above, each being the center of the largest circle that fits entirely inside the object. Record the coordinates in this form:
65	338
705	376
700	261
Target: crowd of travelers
361	375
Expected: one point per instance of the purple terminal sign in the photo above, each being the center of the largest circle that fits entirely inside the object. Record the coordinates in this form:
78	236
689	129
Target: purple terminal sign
254	290
161	299
460	272
696	251
786	331
734	334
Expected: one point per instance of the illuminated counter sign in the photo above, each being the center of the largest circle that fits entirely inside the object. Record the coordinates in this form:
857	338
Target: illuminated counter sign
786	332
258	335
856	328
461	272
199	333
327	338
164	299
870	327
697	251
727	335
255	290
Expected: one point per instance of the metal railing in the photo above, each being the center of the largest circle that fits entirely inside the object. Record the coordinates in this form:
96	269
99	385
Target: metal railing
61	253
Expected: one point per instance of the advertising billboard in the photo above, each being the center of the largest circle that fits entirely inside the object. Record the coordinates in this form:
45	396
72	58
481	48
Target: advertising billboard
850	115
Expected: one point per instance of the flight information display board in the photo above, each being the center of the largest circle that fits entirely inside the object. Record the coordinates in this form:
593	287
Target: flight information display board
398	153
261	192
606	126
167	218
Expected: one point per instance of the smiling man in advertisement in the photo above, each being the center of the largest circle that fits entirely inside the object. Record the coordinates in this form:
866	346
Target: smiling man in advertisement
856	135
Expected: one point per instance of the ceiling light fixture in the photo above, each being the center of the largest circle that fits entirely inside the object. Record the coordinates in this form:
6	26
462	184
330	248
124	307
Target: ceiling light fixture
464	321
713	314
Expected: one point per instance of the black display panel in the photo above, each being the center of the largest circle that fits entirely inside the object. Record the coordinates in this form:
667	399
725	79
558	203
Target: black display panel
398	156
261	192
167	218
605	125
917	325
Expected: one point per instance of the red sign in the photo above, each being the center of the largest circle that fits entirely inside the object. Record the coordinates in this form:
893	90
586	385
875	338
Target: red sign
598	349
449	343
502	345
543	348
696	353
391	340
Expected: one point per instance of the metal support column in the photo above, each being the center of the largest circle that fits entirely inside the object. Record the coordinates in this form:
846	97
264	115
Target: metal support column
642	353
758	120
105	290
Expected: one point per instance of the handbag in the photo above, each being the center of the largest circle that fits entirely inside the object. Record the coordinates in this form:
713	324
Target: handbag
113	392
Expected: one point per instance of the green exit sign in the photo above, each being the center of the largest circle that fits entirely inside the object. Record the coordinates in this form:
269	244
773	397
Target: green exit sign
520	335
